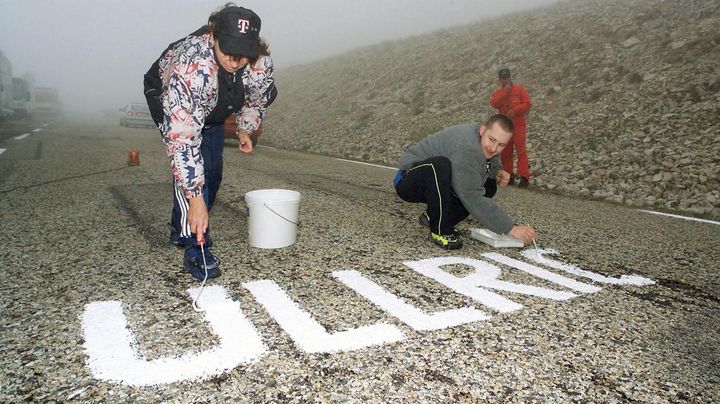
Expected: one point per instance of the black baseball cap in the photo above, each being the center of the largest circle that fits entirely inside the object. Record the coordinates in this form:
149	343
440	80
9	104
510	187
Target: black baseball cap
237	31
504	73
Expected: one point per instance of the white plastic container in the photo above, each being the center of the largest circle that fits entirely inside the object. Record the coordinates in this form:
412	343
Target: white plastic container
272	217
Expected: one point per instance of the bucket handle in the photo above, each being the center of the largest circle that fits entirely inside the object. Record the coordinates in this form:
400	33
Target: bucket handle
284	218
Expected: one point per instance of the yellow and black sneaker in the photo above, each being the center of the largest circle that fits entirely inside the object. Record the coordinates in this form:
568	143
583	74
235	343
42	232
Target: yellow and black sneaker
446	241
425	221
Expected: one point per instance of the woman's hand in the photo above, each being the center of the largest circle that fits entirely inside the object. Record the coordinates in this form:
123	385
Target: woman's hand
246	145
198	218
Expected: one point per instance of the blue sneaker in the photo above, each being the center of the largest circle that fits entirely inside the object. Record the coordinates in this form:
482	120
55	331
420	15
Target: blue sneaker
175	238
193	263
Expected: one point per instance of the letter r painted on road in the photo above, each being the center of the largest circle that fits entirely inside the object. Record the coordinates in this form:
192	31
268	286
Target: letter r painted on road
484	275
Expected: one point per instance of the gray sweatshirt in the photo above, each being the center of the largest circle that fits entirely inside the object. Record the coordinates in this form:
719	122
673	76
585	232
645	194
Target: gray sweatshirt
461	145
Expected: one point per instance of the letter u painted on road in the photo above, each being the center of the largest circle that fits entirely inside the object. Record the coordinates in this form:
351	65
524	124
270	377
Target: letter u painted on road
110	346
113	353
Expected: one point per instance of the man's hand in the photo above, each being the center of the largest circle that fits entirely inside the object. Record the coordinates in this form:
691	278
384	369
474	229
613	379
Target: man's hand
198	218
526	234
245	145
502	177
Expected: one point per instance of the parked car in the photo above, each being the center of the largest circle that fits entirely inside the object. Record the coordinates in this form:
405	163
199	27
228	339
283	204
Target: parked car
47	103
231	129
231	123
136	114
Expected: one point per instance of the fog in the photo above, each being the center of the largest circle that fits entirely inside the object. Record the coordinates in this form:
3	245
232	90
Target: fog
96	52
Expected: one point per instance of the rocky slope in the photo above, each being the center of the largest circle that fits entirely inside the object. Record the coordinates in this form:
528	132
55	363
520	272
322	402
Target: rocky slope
626	97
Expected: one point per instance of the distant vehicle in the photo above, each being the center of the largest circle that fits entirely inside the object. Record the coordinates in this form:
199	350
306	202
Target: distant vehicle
136	114
47	103
6	87
23	97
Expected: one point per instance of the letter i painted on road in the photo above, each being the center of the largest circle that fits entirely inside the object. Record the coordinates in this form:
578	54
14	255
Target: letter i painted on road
538	255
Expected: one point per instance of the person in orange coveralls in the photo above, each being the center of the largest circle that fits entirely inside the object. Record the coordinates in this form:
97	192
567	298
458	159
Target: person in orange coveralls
513	101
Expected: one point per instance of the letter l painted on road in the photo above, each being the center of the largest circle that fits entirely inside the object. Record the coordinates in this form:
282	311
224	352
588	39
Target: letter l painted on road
307	333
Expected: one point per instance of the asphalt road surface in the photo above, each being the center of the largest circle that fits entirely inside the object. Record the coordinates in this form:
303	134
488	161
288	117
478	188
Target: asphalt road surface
613	305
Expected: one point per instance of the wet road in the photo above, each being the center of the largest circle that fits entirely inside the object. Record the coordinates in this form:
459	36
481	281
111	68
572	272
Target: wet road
615	304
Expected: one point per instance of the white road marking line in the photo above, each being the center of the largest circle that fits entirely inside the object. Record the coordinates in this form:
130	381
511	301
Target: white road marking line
2	151
641	210
694	219
23	136
367	164
36	130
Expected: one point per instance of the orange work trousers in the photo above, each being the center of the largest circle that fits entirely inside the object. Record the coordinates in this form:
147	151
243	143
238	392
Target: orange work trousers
517	143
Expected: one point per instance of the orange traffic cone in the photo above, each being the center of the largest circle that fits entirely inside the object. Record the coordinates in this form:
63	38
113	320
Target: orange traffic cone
134	158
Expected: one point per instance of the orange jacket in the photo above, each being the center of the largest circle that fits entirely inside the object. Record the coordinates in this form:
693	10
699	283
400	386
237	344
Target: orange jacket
515	98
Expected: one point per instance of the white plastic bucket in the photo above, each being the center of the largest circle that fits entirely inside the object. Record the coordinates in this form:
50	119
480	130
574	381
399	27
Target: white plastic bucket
272	217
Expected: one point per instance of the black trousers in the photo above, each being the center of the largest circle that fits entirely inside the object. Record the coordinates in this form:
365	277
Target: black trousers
429	182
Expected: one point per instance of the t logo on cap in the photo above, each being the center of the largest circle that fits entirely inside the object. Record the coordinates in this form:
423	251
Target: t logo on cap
243	25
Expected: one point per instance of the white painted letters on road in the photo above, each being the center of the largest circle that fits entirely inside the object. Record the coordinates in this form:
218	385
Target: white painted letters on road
411	315
112	349
307	333
484	275
114	355
538	255
543	274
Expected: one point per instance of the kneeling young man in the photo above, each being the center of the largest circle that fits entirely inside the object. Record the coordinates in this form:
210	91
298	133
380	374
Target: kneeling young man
455	172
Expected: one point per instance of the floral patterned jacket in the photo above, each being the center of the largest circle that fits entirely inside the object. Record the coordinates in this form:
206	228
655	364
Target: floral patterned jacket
189	74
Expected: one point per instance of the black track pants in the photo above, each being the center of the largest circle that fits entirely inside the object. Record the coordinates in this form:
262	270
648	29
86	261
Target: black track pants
429	182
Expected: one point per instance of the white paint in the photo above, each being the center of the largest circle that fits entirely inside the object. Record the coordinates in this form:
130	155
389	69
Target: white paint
113	355
695	219
77	392
407	313
36	130
537	255
485	275
2	151
23	136
366	164
307	333
44	125
543	274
